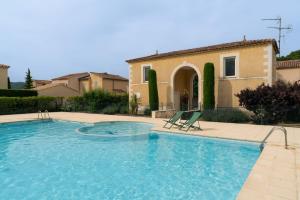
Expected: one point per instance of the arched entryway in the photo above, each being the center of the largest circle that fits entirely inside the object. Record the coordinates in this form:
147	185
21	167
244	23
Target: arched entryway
186	94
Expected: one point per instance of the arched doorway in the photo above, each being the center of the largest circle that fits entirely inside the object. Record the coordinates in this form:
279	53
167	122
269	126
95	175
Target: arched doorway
185	92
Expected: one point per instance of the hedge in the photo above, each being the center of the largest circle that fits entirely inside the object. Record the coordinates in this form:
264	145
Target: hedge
17	93
230	115
98	101
16	105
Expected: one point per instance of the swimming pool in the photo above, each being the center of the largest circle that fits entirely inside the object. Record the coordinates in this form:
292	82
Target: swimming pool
62	160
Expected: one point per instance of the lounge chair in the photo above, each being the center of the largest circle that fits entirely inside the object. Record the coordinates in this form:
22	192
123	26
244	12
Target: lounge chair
190	122
173	120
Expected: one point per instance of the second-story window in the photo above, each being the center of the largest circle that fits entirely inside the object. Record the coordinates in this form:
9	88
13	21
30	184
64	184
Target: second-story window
145	73
229	67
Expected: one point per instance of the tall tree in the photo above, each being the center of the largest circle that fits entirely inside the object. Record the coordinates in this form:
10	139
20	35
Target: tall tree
209	86
28	80
153	93
8	83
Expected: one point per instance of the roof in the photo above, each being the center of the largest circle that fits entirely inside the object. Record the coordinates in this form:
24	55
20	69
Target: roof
42	81
4	66
51	85
110	76
243	43
288	64
76	75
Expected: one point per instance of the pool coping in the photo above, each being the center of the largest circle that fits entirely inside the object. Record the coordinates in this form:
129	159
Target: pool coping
275	175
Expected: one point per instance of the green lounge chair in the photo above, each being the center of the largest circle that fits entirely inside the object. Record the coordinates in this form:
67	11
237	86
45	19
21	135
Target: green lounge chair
190	122
173	120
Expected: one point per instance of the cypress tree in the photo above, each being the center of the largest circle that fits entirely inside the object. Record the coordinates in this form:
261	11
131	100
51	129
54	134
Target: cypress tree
209	86
28	80
153	93
8	83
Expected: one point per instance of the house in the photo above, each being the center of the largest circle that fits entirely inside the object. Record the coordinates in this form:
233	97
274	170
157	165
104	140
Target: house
79	83
238	65
3	76
38	83
288	70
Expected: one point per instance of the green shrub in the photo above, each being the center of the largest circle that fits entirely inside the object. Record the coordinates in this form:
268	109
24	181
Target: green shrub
147	112
134	105
231	115
124	109
111	110
153	93
17	93
209	86
15	105
96	101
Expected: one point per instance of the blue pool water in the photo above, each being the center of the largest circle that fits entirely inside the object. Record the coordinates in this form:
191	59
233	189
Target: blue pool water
62	160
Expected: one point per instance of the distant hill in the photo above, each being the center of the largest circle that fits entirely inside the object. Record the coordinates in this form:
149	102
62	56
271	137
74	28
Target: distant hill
294	55
17	85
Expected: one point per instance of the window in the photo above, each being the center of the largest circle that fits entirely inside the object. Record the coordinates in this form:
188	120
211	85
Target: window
145	73
229	67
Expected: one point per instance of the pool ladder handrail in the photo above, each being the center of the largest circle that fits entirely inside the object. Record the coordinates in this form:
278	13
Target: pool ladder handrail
45	116
261	146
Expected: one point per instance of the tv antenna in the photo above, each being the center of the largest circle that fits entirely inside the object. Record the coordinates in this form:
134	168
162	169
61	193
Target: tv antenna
279	28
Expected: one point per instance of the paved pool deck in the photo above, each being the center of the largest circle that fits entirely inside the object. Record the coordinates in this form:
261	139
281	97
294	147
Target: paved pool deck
276	174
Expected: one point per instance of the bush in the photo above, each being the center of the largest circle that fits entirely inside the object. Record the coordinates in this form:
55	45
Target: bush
17	93
209	86
231	115
153	93
15	105
147	112
134	105
112	109
97	101
124	109
272	104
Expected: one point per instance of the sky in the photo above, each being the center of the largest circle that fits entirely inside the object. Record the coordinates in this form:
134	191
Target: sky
58	37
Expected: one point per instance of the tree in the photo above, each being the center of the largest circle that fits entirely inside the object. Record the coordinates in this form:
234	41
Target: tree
272	104
8	83
294	55
153	93
209	86
28	80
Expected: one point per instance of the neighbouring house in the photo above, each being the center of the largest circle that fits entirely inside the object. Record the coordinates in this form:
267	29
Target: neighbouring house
288	70
79	83
238	65
38	83
3	76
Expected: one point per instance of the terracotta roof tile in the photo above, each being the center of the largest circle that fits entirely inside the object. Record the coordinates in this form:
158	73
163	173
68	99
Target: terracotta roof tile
288	64
76	75
111	76
4	66
243	43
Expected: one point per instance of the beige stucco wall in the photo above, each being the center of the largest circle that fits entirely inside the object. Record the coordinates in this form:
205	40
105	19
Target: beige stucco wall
3	77
111	85
58	91
255	66
96	82
289	75
84	86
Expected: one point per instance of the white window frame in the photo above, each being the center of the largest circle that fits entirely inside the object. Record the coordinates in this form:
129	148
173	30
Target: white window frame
222	65
143	66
